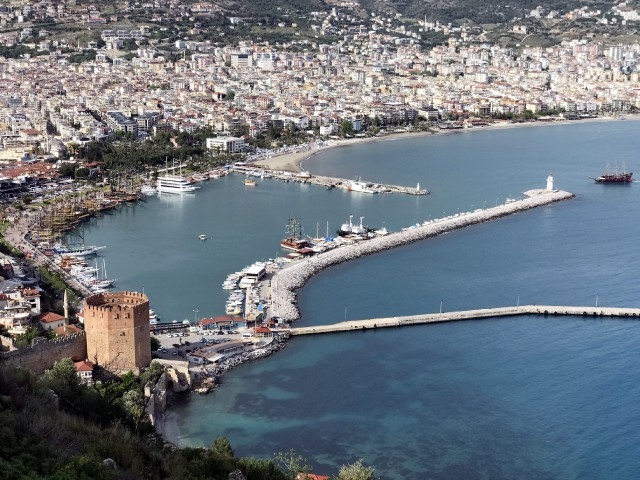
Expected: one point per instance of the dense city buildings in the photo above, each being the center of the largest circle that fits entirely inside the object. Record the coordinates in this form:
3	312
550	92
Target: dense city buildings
374	72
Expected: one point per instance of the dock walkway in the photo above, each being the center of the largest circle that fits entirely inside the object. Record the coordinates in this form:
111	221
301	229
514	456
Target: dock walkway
546	310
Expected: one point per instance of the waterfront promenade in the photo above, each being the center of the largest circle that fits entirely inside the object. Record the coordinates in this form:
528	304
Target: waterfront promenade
553	310
286	281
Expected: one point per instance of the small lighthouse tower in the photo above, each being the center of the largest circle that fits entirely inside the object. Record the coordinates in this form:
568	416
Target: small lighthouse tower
550	183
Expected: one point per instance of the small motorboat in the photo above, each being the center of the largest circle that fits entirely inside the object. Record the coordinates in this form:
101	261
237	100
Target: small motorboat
202	236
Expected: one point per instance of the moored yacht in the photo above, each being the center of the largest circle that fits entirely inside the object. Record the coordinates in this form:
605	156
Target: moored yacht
174	184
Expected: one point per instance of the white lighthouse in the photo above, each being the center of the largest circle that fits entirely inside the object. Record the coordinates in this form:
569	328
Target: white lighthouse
550	183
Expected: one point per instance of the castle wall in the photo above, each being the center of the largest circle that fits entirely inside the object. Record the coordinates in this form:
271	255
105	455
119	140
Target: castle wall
43	355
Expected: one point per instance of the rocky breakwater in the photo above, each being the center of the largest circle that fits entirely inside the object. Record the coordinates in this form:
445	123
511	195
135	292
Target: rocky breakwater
286	281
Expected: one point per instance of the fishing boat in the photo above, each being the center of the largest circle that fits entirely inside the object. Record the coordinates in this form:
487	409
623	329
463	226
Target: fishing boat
148	190
248	182
352	229
202	236
294	239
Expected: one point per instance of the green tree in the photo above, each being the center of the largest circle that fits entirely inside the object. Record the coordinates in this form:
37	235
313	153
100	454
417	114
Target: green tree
291	463
356	471
155	344
27	337
222	446
68	170
134	404
346	128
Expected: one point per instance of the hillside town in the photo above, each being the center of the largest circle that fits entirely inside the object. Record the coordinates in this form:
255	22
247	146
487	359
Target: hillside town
49	103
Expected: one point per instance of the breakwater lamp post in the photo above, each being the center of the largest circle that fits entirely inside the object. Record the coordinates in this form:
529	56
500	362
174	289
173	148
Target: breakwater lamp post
518	301
195	316
596	300
440	306
345	313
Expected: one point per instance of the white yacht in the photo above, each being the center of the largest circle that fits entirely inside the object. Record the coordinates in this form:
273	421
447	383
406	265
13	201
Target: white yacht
174	184
360	186
148	190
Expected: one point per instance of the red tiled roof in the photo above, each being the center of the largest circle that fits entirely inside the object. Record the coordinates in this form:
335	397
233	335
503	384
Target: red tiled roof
67	330
84	366
49	317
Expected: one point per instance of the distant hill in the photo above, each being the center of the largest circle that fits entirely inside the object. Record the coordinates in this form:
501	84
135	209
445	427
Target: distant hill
477	11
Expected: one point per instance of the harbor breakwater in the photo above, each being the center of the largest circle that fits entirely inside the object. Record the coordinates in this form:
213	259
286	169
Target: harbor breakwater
286	281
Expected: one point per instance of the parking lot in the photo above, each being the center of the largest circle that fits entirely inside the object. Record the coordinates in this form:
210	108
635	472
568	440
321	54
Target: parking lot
178	344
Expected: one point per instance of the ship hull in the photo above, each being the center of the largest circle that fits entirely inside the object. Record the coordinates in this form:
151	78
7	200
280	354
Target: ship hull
615	178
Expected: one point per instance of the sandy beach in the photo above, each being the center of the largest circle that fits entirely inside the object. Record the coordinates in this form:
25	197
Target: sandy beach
292	161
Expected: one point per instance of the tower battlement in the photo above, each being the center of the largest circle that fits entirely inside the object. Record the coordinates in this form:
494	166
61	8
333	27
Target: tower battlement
117	327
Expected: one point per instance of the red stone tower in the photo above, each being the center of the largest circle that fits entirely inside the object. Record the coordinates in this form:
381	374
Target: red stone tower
117	330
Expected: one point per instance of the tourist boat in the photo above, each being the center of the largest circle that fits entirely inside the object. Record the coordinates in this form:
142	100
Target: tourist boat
202	236
249	182
148	190
174	184
81	251
294	237
615	177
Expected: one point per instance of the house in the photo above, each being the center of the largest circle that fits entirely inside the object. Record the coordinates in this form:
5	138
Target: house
67	330
223	322
262	332
84	370
51	320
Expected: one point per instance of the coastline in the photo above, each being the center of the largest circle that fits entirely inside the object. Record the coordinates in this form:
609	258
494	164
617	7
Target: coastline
292	161
301	156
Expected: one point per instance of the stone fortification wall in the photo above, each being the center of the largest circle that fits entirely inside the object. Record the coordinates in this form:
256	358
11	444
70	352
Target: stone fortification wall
157	399
117	326
6	344
43	355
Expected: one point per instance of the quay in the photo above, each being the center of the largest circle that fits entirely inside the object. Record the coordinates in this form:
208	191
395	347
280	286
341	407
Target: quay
428	318
327	182
286	281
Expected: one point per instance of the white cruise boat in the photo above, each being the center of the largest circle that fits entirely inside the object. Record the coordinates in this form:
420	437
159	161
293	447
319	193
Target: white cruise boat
148	190
174	184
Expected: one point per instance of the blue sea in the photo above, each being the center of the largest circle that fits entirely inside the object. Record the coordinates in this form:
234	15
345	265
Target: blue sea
527	397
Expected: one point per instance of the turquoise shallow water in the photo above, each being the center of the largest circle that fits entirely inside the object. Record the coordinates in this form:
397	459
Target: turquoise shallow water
502	399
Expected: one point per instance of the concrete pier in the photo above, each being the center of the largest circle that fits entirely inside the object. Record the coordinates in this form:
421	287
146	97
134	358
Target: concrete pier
546	310
286	281
332	182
